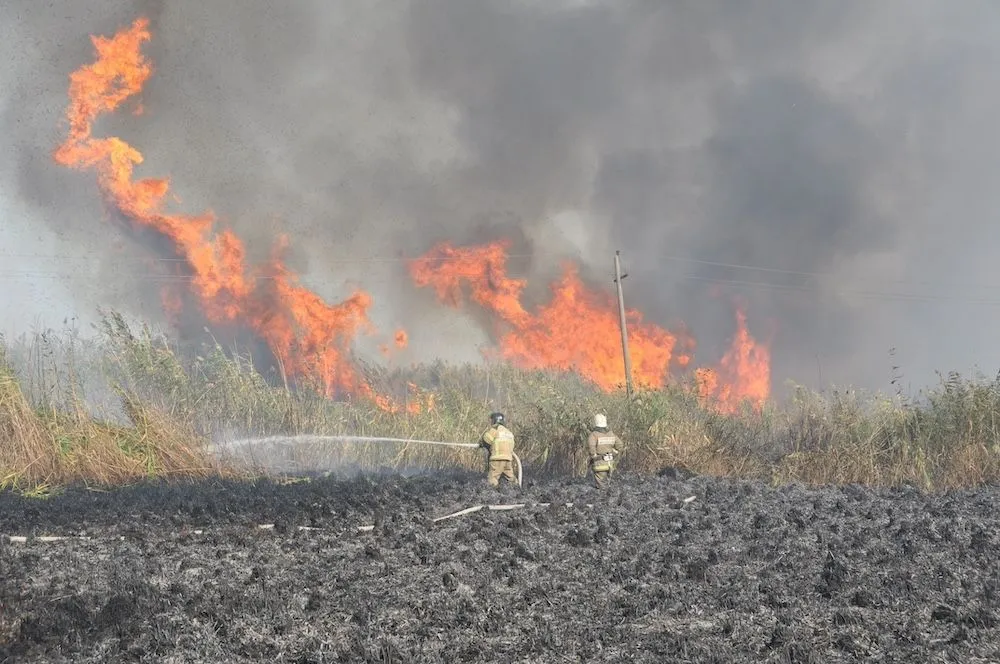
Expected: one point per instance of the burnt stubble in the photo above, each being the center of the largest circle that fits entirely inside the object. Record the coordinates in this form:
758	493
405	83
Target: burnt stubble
742	573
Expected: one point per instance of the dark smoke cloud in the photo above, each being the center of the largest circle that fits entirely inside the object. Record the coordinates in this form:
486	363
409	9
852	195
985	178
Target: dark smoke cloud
790	168
847	147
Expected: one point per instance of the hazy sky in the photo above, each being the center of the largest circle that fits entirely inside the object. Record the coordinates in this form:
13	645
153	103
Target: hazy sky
843	150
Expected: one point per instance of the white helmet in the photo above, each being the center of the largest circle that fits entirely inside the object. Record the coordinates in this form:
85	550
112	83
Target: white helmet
600	421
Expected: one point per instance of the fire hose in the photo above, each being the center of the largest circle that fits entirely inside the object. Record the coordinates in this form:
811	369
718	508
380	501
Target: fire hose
472	446
373	439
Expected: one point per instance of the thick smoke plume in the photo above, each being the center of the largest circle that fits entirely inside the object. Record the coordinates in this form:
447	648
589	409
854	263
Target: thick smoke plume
824	162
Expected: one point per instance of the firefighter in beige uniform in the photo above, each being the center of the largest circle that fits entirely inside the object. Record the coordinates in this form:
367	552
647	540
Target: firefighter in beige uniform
603	446
500	442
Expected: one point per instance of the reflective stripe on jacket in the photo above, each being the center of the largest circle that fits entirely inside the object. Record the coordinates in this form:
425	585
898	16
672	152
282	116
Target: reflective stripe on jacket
501	443
606	443
601	444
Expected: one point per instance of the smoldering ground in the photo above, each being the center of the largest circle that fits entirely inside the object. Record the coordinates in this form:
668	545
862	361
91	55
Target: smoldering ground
839	149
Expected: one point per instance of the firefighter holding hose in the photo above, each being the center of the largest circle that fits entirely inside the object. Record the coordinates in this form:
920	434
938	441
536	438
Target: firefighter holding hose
499	441
603	446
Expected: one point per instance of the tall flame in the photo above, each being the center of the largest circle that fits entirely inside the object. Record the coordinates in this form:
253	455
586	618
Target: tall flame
310	337
578	329
743	375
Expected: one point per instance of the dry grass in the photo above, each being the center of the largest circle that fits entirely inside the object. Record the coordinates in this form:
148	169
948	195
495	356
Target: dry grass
165	403
41	446
26	449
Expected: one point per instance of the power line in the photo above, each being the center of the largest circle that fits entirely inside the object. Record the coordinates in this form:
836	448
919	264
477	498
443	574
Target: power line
447	259
165	259
169	279
916	297
758	268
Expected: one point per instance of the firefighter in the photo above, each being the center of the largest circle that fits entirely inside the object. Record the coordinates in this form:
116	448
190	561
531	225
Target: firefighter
499	441
602	447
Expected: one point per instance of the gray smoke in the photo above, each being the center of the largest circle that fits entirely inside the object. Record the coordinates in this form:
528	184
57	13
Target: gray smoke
824	162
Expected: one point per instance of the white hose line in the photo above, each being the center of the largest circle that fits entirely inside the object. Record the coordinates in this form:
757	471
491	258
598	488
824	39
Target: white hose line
408	440
24	539
467	510
369	439
344	439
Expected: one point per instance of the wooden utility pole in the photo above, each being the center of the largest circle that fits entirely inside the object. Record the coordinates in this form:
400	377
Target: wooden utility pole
621	319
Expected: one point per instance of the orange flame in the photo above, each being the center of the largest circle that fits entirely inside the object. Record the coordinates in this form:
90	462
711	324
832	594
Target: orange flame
419	402
743	376
401	340
483	269
577	329
310	338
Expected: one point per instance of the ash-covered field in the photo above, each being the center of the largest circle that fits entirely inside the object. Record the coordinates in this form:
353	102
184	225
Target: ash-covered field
742	573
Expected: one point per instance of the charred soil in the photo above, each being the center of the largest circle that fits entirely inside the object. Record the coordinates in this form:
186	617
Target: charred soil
742	573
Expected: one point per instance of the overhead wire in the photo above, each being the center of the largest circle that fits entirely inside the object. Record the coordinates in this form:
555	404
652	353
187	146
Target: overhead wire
518	256
446	259
65	273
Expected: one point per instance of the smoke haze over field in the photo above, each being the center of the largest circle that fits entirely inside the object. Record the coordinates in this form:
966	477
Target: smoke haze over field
845	146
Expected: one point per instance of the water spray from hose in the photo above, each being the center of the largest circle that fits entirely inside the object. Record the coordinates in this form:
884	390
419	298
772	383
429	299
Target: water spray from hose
311	438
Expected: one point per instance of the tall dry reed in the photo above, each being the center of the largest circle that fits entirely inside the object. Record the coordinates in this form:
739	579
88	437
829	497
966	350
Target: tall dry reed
161	404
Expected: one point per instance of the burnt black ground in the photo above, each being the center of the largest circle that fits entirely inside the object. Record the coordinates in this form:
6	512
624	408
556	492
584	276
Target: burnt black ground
744	573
